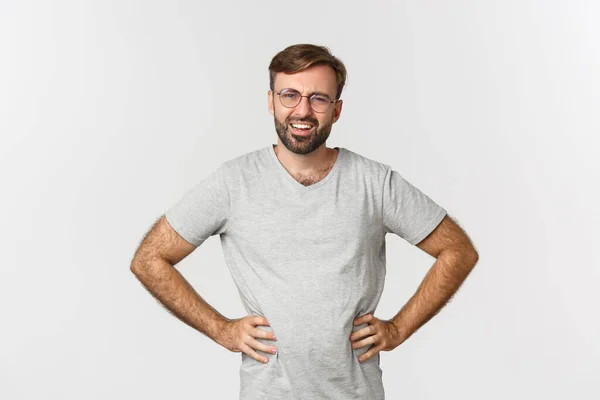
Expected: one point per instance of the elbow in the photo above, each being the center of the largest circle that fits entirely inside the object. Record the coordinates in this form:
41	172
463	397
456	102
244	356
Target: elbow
148	264
474	256
461	259
469	255
136	267
471	259
139	265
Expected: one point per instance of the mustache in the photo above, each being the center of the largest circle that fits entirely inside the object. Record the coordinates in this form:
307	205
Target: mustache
313	123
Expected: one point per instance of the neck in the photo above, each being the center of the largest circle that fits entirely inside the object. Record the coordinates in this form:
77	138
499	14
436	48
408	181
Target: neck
320	159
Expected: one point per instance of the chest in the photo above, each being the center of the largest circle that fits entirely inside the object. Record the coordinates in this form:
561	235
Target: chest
311	178
330	221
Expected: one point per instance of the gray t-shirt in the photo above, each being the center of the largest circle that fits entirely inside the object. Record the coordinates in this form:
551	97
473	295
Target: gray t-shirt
308	258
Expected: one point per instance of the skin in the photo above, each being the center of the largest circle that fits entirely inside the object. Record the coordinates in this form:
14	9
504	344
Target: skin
455	258
308	160
154	265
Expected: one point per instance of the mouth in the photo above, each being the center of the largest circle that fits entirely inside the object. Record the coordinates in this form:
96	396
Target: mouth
301	129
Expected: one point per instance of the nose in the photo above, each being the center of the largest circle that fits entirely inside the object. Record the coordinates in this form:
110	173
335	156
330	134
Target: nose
303	108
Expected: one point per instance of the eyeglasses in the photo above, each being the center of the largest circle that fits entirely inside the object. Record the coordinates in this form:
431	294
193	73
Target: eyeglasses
290	98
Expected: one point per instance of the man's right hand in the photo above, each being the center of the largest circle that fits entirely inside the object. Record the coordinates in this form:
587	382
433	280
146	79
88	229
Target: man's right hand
239	335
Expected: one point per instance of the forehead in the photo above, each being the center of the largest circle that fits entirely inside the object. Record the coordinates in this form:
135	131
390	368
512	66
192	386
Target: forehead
318	78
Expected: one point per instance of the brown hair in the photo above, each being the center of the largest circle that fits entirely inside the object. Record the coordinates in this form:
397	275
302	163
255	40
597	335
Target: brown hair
298	57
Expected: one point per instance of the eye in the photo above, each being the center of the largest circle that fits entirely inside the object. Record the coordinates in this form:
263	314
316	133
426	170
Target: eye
289	93
320	99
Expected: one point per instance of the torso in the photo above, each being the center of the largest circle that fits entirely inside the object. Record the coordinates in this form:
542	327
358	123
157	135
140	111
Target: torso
310	259
315	176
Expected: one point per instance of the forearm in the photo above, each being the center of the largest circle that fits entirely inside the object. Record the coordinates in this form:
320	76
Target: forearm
175	293
439	285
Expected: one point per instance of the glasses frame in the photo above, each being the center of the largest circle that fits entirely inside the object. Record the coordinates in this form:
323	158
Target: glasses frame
309	98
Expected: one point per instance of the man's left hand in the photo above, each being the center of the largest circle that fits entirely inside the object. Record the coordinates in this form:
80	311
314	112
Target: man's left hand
382	334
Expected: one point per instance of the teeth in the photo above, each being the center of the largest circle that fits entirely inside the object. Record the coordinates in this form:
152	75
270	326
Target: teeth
301	126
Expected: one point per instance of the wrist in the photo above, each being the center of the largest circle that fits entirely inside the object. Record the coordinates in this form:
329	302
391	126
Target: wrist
400	331
218	330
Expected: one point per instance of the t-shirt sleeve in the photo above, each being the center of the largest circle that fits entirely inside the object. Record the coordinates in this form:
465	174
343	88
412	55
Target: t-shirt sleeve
203	211
407	211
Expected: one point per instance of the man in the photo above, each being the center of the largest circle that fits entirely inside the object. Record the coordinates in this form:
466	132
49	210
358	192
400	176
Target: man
303	228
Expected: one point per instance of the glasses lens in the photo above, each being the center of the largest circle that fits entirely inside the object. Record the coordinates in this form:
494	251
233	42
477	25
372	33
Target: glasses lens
320	103
289	98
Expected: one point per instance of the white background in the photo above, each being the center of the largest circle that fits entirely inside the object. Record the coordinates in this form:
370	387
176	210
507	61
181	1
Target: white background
111	110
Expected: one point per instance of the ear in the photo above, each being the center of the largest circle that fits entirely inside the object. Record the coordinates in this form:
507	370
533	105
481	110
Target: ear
337	111
270	102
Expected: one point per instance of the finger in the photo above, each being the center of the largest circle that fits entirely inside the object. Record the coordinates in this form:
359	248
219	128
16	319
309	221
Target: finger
255	344
364	342
366	331
260	320
362	319
263	334
368	354
250	351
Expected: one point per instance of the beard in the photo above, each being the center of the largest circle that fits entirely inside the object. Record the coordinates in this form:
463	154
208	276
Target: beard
302	144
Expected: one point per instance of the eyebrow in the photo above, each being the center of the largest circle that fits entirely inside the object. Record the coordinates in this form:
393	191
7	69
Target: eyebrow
310	94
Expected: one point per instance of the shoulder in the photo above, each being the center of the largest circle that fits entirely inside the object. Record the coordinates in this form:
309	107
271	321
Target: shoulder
245	169
249	162
364	166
